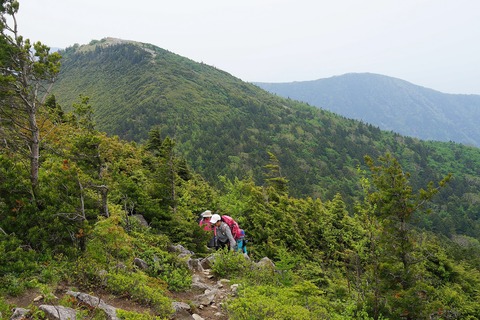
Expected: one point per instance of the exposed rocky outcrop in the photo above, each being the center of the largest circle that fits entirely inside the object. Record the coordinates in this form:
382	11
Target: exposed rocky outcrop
58	312
95	302
19	313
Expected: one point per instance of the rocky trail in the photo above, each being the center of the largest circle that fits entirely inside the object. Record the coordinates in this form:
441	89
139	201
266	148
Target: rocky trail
204	300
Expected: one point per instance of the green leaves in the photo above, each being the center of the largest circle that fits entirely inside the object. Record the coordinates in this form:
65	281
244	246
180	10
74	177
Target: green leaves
9	7
25	83
225	127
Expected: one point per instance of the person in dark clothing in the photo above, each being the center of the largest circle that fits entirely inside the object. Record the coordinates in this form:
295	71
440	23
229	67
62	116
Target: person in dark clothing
223	233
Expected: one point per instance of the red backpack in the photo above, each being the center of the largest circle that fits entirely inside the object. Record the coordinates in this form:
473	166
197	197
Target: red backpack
233	226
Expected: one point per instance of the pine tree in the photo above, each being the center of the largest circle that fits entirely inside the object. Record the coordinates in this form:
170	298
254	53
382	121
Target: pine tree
394	203
27	73
273	176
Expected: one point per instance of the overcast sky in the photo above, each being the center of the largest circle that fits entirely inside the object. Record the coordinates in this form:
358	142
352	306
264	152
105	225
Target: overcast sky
432	43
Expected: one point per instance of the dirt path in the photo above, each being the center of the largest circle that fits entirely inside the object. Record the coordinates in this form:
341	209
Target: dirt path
206	298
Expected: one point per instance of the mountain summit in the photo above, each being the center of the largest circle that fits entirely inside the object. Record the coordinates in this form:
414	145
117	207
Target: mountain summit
392	104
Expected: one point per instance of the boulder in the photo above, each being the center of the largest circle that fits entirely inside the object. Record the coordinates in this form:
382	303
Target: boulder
199	285
58	312
207	262
19	313
95	302
181	311
181	250
180	305
265	263
195	265
206	299
234	289
142	264
141	220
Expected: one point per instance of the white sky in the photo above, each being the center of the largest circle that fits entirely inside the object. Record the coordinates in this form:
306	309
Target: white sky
432	43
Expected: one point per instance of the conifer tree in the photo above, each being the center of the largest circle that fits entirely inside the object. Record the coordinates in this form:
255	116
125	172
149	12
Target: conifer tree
273	176
166	167
395	203
27	73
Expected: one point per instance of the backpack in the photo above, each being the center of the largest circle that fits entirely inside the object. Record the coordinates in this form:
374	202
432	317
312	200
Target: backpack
233	226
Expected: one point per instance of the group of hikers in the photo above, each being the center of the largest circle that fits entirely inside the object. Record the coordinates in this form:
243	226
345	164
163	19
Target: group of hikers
226	232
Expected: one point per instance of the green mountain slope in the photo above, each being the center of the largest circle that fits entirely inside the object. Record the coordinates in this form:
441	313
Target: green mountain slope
224	126
391	104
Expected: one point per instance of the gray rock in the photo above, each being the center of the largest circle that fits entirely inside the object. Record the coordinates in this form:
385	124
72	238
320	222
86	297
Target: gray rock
121	266
199	285
207	298
58	312
19	313
180	306
234	289
95	302
142	264
179	249
181	311
207	262
195	265
141	220
265	263
222	282
182	315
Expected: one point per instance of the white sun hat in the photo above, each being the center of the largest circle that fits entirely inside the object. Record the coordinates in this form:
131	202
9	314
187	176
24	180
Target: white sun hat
215	218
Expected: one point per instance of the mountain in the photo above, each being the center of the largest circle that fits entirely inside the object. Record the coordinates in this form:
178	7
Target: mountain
223	126
391	104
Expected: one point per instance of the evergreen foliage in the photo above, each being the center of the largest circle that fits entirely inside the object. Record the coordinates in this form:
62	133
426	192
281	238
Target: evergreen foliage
225	127
331	262
392	104
27	72
353	246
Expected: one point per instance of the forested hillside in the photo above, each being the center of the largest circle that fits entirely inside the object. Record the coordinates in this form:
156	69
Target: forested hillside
391	104
225	127
357	223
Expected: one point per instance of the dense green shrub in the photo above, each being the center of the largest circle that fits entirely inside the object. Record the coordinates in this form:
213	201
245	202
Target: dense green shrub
141	288
177	278
152	249
131	315
5	309
230	264
17	264
109	242
268	302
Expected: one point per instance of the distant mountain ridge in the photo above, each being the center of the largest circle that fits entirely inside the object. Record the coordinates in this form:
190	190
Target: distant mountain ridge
391	104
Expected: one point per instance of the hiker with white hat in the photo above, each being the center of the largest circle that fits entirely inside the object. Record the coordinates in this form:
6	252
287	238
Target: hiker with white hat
223	233
207	226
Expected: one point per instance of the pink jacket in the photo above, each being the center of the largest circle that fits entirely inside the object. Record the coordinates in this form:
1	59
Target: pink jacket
207	226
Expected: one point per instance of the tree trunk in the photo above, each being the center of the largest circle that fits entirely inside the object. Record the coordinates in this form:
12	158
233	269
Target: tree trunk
104	193
28	73
35	150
